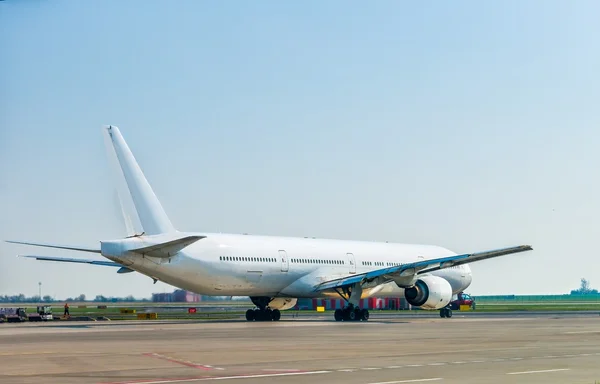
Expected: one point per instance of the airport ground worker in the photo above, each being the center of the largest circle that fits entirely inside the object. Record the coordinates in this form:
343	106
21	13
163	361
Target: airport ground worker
66	310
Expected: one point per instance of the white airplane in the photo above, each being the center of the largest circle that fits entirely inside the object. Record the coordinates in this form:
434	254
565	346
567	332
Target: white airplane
274	271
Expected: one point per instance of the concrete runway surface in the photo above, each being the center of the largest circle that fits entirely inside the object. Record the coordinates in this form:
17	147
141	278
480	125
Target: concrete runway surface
538	348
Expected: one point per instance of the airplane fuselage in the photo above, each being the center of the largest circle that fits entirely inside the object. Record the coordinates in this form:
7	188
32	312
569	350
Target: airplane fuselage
248	265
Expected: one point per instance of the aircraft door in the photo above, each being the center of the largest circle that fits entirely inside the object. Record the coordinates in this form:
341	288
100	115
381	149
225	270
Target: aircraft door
352	262
285	263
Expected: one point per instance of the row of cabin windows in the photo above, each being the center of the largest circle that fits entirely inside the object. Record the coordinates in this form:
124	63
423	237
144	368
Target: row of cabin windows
258	259
317	261
308	261
379	264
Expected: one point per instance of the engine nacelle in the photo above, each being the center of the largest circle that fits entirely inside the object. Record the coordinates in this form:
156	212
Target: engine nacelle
429	292
282	303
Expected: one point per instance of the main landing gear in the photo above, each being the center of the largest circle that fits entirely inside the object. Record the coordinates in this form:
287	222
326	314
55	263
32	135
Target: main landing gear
446	312
351	312
263	312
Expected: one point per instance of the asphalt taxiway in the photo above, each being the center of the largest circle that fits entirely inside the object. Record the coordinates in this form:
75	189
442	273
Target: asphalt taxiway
534	348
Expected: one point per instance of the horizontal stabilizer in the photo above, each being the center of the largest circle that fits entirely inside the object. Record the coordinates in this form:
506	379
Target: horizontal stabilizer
59	246
69	260
169	248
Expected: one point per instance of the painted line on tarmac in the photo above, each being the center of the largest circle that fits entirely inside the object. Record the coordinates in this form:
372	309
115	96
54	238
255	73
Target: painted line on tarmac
409	381
214	378
495	360
281	370
544	371
296	373
182	362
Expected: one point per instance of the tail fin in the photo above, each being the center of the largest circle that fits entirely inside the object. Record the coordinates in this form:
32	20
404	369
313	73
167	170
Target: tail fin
150	212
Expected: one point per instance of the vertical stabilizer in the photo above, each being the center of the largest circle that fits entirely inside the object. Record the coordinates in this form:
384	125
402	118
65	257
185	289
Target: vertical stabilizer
123	201
148	209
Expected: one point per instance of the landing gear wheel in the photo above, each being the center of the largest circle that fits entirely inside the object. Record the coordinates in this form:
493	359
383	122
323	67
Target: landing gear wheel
268	314
263	315
275	315
338	315
250	315
352	315
446	312
365	315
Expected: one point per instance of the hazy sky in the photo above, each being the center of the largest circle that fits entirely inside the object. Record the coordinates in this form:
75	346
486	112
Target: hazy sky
471	125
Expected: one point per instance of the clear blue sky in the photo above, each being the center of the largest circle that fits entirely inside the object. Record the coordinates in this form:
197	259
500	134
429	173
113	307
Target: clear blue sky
465	124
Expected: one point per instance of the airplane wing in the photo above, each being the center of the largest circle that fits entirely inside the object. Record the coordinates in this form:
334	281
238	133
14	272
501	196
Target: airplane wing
385	275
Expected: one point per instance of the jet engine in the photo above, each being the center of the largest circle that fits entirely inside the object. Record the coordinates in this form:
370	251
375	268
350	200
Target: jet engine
429	292
282	303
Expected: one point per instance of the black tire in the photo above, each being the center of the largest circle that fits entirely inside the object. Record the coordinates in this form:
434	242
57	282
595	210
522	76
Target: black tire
276	315
352	315
443	312
338	315
365	315
268	314
250	315
449	313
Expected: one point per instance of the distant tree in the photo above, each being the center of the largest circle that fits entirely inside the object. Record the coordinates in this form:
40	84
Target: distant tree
80	297
584	289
